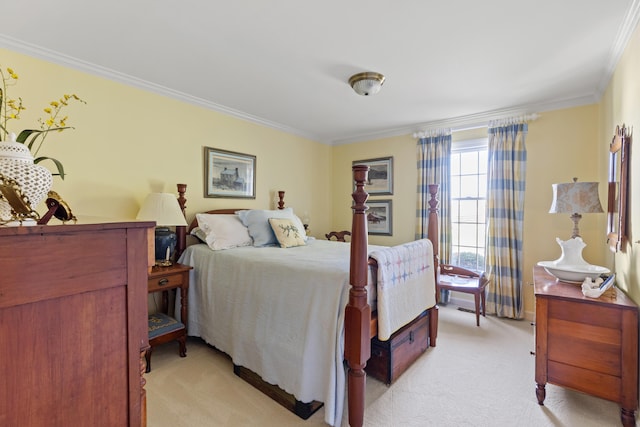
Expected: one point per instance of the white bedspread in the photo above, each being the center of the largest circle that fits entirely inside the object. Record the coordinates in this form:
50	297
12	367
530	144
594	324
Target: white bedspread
406	284
285	323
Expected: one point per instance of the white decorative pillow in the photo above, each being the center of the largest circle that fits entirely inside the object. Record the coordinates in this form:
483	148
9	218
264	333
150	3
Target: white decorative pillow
287	233
257	221
223	231
199	234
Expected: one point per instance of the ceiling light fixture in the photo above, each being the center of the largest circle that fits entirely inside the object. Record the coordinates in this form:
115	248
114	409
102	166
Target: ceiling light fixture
367	83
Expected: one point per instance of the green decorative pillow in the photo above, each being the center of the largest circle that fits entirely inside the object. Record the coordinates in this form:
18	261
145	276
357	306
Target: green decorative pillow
287	232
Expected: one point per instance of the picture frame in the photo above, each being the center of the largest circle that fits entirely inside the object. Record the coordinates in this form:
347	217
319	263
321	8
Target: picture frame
228	174
380	217
380	178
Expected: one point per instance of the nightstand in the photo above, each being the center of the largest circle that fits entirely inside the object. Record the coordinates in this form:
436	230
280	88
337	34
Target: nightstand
163	327
586	344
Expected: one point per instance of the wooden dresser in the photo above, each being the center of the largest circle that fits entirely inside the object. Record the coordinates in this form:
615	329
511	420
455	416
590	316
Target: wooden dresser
586	344
73	324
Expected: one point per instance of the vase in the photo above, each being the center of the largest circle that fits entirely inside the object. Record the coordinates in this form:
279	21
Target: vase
16	162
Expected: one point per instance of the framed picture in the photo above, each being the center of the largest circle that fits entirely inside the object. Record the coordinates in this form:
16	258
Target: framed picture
380	179
380	217
228	174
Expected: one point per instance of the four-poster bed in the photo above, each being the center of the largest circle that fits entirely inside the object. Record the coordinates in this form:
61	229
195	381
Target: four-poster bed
318	358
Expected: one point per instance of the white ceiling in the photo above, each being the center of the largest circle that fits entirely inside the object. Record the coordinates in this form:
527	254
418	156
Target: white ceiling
286	63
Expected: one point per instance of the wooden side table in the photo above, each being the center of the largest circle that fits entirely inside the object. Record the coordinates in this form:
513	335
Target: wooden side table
586	344
163	327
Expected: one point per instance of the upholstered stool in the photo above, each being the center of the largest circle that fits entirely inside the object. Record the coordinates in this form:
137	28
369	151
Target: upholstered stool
162	329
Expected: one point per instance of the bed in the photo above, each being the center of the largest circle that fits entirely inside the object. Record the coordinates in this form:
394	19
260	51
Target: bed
289	328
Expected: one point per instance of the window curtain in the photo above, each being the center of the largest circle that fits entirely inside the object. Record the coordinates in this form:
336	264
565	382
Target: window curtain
505	213
434	167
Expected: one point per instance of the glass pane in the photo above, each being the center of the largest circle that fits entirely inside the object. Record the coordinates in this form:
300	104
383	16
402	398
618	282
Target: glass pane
468	234
455	258
469	162
482	206
468	258
468	211
482	161
481	236
482	186
455	211
480	266
469	186
454	234
455	164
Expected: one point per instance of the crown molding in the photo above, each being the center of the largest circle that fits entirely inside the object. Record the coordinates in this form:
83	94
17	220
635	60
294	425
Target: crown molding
472	121
107	73
455	123
625	32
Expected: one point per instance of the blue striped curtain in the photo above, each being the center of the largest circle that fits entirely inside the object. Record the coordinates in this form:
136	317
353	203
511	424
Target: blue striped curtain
434	167
505	214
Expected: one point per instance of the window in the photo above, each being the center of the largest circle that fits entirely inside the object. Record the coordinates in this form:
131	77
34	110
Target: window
468	202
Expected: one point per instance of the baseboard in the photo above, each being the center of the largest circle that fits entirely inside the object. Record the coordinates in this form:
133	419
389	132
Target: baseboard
469	304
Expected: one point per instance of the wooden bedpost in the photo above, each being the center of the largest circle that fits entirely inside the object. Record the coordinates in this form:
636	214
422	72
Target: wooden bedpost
432	234
280	199
357	346
181	230
432	230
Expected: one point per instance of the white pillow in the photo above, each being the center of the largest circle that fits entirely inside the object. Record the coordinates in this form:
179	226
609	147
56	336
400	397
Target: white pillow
199	233
223	231
257	221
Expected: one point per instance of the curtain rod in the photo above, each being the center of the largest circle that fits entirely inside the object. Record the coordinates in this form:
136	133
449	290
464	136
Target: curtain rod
485	123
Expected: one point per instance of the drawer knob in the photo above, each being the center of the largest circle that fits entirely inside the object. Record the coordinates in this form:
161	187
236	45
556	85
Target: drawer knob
163	282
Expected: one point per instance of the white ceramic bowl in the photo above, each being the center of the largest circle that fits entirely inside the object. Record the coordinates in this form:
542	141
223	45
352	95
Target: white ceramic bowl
573	273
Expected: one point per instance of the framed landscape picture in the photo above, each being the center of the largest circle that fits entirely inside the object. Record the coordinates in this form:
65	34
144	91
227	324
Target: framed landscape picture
380	217
229	174
380	178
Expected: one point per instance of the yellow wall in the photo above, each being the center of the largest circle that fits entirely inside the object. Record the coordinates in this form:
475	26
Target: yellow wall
621	104
128	142
560	145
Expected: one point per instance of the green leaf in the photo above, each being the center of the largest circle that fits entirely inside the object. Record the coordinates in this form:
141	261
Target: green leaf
56	162
25	134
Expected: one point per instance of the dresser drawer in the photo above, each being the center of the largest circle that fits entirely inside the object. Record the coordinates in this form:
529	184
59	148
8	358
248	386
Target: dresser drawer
164	282
584	336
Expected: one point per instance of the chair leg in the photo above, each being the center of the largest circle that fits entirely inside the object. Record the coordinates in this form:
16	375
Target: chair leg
476	297
483	298
147	356
182	346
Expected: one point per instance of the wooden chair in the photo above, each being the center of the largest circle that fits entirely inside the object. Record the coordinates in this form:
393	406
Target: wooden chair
339	235
454	278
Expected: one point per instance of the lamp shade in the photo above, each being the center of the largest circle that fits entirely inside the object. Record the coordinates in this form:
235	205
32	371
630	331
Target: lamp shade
368	83
163	208
575	197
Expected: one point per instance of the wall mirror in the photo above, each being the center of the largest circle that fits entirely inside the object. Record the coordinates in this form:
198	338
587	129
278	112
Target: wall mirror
618	188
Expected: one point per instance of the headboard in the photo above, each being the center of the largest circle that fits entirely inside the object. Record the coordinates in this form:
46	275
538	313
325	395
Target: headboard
182	231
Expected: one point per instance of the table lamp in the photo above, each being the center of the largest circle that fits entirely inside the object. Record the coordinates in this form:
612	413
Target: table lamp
163	208
575	198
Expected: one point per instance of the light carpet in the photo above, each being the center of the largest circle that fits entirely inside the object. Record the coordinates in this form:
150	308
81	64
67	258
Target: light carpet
476	376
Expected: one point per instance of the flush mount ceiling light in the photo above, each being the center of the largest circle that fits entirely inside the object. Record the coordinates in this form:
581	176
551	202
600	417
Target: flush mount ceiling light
368	83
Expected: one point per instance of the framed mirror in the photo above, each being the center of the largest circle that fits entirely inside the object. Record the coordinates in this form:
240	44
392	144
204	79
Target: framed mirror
618	188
